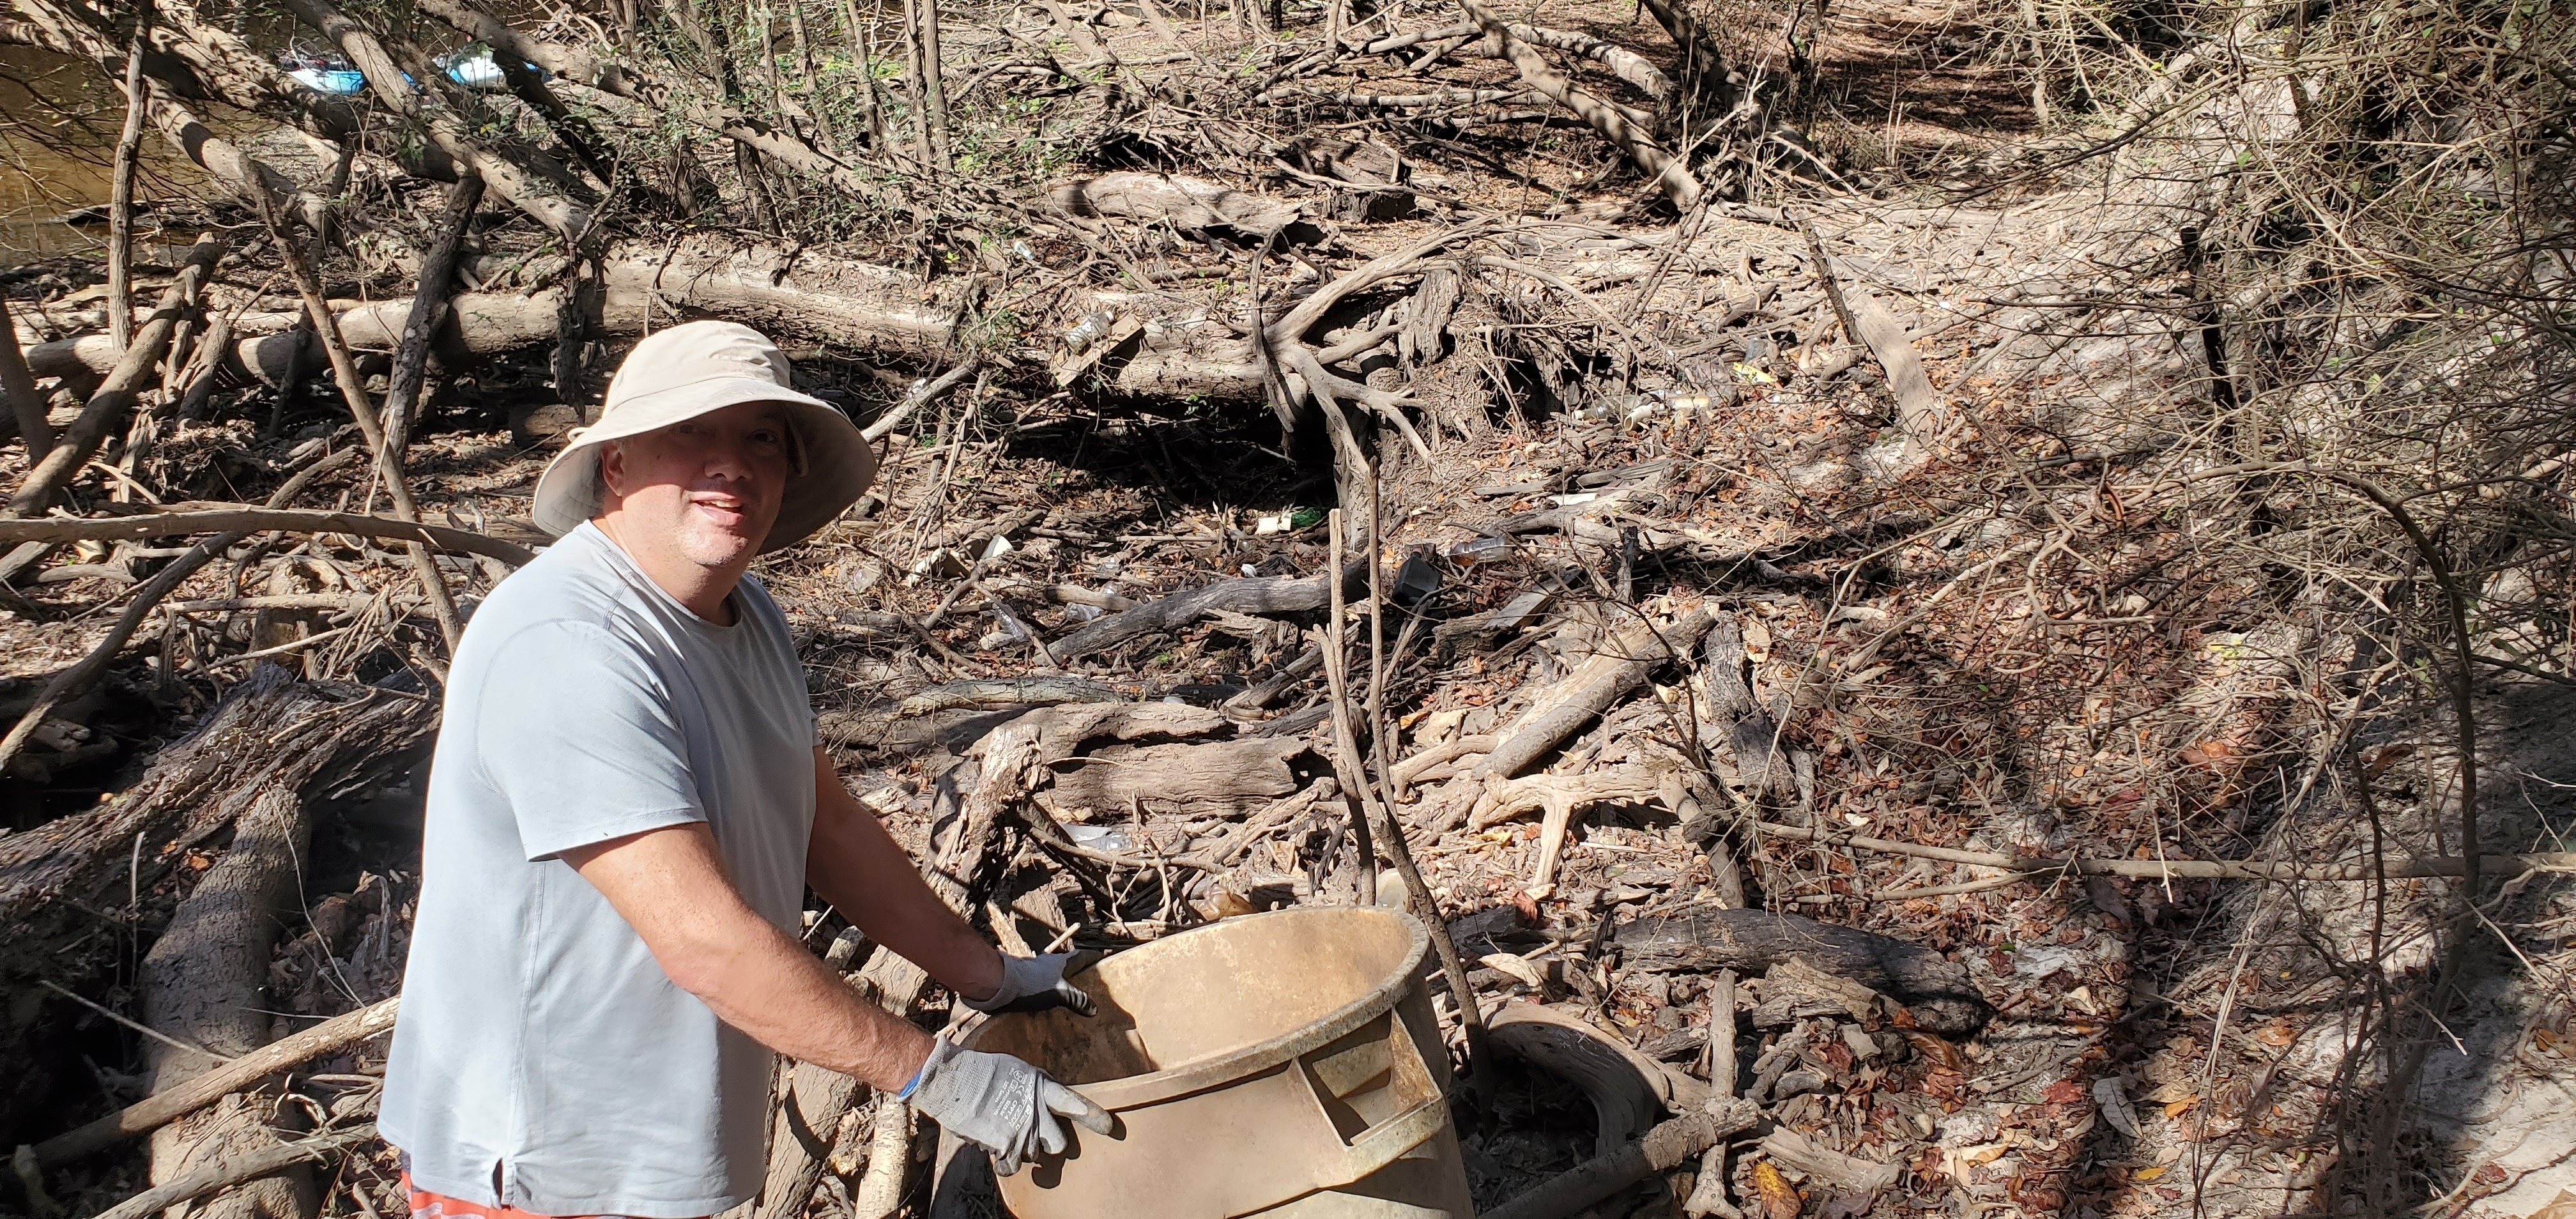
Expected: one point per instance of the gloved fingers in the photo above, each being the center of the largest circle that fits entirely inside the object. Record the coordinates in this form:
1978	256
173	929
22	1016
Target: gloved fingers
1056	1098
1075	997
1049	1134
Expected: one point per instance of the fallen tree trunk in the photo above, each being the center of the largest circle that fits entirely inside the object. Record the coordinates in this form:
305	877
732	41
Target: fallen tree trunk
1621	62
204	982
247	1167
1188	204
26	413
241	1074
1247	595
316	739
405	387
1936	989
1181	349
1623	663
1216	779
232	518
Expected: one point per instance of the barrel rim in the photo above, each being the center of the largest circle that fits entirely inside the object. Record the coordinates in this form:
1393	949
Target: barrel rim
1171	1083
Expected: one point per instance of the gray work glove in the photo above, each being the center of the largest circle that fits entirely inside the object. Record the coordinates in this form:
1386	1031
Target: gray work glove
1034	984
999	1103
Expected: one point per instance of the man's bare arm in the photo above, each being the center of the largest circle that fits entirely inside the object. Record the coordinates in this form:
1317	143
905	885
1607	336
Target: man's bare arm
671	886
863	872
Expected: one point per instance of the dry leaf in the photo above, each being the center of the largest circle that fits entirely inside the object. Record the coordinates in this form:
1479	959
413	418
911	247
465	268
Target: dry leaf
2173	1091
2276	1034
1780	1200
1515	966
1944	1056
1757	640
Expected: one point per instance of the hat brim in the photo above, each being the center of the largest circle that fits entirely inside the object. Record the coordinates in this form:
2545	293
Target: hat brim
839	465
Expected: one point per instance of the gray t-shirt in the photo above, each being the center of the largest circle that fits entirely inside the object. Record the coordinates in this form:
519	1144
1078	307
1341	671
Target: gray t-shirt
543	1060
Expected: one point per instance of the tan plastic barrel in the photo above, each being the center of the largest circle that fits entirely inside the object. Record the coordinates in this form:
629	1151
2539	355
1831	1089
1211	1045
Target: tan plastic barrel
1285	1065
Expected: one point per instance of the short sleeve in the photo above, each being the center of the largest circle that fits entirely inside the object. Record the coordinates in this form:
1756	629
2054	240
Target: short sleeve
577	733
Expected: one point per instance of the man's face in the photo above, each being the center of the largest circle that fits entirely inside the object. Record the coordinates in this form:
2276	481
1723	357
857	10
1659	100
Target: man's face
704	489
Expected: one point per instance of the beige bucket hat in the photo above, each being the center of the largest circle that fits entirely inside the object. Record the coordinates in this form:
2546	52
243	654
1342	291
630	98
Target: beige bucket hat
691	370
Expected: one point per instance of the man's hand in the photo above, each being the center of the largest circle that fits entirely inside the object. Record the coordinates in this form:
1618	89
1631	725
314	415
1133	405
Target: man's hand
1034	984
1001	1104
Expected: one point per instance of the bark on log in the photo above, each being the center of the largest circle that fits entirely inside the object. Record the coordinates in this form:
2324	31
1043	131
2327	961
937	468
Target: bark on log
1706	85
248	1167
1672	175
26	415
1795	1150
1247	595
234	517
809	1112
427	318
136	370
1624	662
805	293
316	739
1217	779
240	1075
204	982
1186	203
1936	989
1621	62
1662	1149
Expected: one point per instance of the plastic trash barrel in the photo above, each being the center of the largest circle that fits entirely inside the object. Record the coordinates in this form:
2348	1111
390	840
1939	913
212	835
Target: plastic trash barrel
1285	1065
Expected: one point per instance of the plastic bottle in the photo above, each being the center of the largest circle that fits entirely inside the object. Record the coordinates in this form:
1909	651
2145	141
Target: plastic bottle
1477	550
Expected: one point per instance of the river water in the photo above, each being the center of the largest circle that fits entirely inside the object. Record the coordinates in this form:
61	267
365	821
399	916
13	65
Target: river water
58	124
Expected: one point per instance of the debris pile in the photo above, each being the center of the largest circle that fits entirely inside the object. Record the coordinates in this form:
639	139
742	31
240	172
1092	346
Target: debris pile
1880	722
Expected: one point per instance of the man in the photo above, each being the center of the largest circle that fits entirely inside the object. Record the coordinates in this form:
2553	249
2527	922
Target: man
627	802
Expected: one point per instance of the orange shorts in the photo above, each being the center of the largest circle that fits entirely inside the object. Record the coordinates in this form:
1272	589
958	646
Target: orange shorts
427	1205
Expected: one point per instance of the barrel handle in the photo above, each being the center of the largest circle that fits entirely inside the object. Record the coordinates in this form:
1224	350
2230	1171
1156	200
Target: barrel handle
1381	1144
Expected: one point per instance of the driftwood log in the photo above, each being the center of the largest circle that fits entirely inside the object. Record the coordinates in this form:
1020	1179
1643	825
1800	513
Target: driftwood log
241	1074
1245	595
1192	205
61	880
250	1166
230	518
1623	662
1934	988
1798	1151
205	982
1662	1149
1216	779
1179	351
